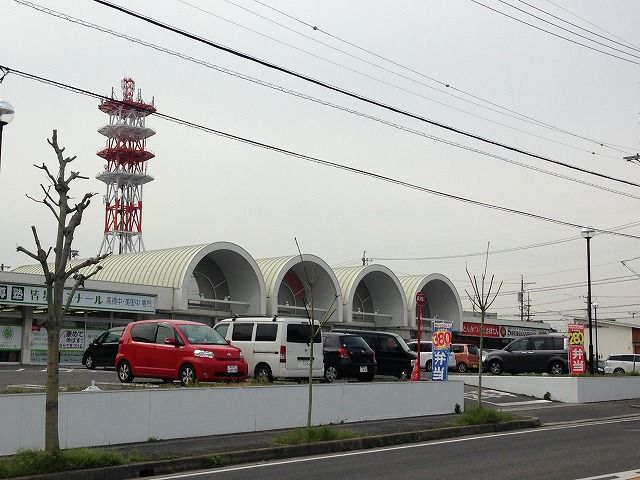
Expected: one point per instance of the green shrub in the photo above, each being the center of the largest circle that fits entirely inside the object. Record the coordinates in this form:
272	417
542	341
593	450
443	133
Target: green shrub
477	416
34	462
313	434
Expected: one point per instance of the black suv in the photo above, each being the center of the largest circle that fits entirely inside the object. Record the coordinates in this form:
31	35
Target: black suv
392	353
347	356
536	353
103	350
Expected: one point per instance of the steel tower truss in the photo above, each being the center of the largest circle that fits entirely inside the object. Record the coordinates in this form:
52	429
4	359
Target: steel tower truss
126	169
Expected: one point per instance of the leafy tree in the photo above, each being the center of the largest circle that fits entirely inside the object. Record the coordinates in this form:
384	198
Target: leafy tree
68	216
482	300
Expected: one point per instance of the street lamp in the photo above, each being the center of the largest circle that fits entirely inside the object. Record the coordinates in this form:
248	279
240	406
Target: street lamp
588	232
6	115
595	321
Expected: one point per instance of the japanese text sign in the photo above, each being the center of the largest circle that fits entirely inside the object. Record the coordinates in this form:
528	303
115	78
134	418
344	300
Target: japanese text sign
441	346
577	358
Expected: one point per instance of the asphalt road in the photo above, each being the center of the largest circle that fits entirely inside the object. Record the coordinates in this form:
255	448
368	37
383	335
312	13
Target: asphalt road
561	452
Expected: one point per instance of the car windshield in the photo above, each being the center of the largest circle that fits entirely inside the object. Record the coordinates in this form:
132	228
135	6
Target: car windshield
202	335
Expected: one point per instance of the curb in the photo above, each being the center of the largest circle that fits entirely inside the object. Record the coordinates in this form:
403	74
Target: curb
215	460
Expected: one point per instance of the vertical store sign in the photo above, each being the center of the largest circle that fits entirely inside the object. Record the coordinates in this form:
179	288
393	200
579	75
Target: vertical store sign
577	359
415	373
441	346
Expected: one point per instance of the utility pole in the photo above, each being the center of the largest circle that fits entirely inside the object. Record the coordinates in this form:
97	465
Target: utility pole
365	260
4	267
521	298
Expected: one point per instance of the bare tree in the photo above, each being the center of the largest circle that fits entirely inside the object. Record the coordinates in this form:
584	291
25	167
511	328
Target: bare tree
309	284
482	300
56	274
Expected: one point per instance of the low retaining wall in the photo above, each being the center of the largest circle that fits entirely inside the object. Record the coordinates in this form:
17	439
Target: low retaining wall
564	389
115	417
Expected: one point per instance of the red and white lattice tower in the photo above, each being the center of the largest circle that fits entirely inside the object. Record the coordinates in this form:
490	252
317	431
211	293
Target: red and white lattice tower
126	169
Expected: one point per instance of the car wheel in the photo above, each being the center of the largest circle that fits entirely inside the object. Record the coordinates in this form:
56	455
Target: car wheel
404	374
187	375
90	363
331	373
428	366
125	375
618	370
263	373
495	367
556	368
462	367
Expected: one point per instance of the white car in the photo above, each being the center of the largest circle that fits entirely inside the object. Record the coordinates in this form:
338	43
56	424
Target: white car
426	355
622	363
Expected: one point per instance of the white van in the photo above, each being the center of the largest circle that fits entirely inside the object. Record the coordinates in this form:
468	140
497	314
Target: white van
275	347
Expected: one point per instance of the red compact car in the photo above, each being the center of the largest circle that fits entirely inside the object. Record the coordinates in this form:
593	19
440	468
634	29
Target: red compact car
177	349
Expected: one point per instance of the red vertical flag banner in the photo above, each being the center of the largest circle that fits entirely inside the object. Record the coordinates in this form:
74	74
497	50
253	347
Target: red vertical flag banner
577	358
415	373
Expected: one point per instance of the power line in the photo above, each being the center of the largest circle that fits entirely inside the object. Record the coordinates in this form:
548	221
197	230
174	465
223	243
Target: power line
445	84
317	100
578	26
590	23
350	94
503	250
519	117
319	161
551	33
570	31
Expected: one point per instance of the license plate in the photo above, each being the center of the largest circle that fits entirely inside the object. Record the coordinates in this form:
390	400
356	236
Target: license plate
303	363
364	369
232	369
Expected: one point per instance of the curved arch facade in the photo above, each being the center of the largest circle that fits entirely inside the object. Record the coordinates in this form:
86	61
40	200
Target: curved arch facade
287	288
372	296
217	279
224	278
441	298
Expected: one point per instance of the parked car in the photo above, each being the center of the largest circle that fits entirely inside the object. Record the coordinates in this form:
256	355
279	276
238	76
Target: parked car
177	349
393	356
622	363
103	350
347	356
535	353
275	347
426	355
467	356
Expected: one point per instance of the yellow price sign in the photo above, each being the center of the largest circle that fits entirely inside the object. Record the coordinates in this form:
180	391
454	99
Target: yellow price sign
576	338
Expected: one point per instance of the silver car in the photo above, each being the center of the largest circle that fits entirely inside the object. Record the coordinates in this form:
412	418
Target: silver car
622	363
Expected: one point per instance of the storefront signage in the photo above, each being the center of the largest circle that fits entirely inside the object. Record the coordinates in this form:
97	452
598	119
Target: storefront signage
441	338
83	299
10	337
577	359
500	331
473	330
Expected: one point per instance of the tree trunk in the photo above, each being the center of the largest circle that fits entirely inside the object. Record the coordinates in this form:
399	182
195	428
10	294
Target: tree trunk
51	440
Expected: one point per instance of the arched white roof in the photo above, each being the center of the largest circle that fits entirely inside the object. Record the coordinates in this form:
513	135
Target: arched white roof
395	300
440	294
169	267
274	270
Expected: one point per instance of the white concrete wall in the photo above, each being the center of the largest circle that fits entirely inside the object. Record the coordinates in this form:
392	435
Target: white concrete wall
115	417
564	389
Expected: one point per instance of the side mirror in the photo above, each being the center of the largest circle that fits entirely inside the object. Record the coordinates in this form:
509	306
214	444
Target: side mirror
95	341
170	341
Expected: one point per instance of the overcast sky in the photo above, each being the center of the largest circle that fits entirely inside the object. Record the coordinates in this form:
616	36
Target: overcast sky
402	54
